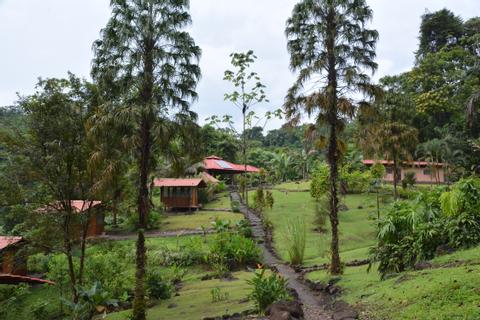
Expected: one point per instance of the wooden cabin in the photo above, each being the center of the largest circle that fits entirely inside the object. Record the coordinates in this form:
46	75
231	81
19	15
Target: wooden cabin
93	208
11	261
180	193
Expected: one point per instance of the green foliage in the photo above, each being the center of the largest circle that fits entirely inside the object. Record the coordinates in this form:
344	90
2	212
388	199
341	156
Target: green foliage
234	251
322	209
186	254
378	171
296	237
352	181
243	228
259	200
157	286
267	290
90	301
220	225
153	222
269	200
355	181
319	185
409	180
235	205
411	231
218	295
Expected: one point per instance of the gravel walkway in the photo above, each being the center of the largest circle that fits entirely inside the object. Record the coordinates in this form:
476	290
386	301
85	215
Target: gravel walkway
312	306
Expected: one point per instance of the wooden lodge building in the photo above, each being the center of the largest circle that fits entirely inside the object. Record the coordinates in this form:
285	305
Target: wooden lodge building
425	172
11	261
214	166
180	193
96	223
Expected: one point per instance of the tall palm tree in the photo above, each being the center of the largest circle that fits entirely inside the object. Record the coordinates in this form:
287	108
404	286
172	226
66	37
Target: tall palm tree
151	65
331	48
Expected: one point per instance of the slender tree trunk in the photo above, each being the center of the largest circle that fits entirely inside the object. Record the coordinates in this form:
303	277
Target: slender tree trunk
245	192
139	304
68	252
82	250
335	265
395	176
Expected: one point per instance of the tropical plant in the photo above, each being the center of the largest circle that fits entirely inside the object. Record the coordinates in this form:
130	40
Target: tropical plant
296	240
148	64
330	46
269	200
267	290
157	286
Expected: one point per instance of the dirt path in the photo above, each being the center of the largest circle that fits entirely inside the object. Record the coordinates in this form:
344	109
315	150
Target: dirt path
312	302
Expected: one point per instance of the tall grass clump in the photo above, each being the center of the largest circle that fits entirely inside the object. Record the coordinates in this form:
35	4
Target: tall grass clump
296	239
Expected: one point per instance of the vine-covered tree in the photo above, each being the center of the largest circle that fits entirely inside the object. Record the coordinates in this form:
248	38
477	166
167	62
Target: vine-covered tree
150	62
331	48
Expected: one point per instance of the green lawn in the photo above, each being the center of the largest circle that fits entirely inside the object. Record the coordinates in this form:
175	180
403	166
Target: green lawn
196	220
221	202
357	229
450	292
294	185
195	300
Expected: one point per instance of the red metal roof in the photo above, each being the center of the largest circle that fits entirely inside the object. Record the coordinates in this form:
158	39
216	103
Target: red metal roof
217	163
411	163
8	241
170	182
78	206
6	278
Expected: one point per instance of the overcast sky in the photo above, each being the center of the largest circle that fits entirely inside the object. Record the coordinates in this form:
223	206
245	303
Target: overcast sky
47	38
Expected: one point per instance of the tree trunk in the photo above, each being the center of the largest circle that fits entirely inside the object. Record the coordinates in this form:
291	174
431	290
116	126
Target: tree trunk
139	304
83	249
395	176
68	252
335	265
245	193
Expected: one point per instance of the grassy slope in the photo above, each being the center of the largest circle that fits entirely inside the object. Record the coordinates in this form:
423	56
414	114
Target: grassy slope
195	300
221	202
196	220
450	292
356	227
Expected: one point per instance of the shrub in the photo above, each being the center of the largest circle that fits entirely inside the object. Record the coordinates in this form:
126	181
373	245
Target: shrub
259	200
234	251
186	255
409	180
322	212
220	187
267	290
407	234
157	286
154	219
243	228
235	205
221	225
90	301
269	201
319	185
296	237
218	295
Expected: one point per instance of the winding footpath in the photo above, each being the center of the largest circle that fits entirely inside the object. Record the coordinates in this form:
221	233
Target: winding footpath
312	302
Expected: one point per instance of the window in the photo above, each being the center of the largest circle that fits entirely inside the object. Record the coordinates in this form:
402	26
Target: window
427	171
389	170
